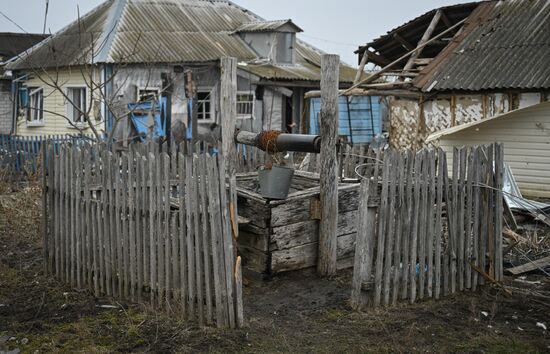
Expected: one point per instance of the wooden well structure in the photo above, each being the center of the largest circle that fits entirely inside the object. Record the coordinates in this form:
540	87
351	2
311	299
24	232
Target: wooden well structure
282	235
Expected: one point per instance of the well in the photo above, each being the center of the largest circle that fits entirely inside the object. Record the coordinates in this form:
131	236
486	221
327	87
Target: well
282	235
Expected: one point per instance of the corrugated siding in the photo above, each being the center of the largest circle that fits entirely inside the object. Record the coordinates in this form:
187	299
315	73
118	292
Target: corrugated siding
526	139
365	117
54	104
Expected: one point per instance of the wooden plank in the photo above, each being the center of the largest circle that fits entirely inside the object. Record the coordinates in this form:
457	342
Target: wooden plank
468	221
78	216
174	232
195	204
141	223
215	222
103	213
362	262
453	221
413	245
305	256
58	218
438	223
330	65
153	167
390	220
183	233
51	207
72	212
109	228
124	187
160	231
423	220
45	211
239	294
499	210
166	230
88	218
132	202
228	253
476	222
407	223
190	236
431	221
400	210
529	266
206	235
382	215
460	219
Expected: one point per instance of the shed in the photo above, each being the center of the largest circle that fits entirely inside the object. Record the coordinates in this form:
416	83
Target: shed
525	134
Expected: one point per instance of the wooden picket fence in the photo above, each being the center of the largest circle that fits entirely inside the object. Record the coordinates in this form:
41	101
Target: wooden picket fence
144	226
425	232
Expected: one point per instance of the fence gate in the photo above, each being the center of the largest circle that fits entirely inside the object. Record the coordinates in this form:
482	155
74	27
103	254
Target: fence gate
426	229
143	226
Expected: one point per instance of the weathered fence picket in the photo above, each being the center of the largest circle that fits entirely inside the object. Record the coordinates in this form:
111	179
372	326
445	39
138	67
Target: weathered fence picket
428	230
149	225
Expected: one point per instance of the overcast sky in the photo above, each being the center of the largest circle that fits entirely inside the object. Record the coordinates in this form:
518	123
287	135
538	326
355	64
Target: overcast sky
335	26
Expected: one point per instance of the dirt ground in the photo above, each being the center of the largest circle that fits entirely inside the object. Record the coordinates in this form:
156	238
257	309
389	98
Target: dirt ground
293	313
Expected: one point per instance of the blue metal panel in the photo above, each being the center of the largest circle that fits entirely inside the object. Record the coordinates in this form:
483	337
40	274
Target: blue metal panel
360	117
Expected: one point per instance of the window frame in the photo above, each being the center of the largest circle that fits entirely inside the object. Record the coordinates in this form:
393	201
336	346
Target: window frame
69	106
209	91
31	111
252	102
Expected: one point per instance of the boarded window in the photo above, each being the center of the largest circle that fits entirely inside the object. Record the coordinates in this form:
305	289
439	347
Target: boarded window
285	47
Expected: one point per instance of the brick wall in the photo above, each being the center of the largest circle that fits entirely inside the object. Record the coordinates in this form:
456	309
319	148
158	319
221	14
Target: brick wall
6	106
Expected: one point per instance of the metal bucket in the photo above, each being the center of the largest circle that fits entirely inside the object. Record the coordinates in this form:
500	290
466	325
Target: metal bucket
275	183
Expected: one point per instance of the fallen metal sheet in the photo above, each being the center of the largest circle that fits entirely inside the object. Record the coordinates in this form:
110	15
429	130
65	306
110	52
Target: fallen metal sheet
515	200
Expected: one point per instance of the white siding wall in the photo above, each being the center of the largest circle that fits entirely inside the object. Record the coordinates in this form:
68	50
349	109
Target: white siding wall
55	106
526	138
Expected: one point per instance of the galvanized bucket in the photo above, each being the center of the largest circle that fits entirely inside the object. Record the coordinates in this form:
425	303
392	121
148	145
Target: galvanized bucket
275	182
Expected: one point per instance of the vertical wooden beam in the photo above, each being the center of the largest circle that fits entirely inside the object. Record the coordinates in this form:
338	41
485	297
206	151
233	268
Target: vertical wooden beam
330	65
228	106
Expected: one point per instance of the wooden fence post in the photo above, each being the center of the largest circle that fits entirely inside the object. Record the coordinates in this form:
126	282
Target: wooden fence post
228	106
330	65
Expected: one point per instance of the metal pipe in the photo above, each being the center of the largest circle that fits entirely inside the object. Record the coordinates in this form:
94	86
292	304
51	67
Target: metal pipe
282	142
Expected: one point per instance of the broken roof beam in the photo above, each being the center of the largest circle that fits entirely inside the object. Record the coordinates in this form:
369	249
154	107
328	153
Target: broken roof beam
424	40
408	46
388	67
361	69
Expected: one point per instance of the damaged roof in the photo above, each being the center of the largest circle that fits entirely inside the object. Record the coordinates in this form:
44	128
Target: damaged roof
504	45
161	31
404	38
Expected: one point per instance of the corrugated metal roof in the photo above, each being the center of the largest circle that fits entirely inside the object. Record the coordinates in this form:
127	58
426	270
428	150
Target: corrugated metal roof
266	26
164	31
505	45
12	44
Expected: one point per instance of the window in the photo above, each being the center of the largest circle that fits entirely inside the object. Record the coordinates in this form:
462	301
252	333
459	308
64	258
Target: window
35	106
76	105
147	94
204	106
245	105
